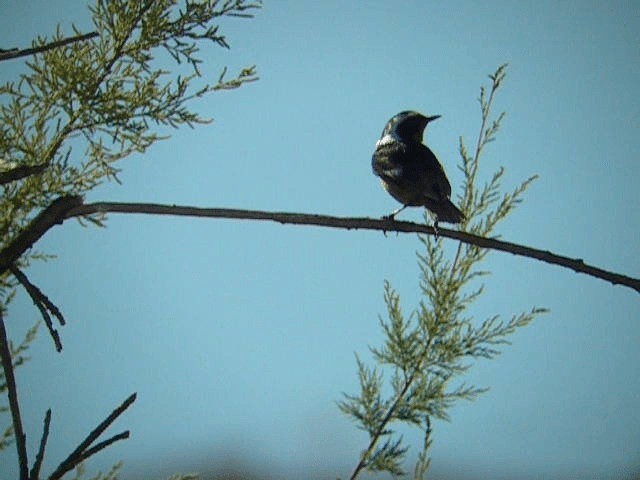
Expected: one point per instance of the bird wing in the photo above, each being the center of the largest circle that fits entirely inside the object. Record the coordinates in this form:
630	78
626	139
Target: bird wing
429	172
411	173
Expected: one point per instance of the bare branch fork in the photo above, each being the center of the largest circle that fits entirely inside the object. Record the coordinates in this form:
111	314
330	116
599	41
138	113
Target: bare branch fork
40	300
83	451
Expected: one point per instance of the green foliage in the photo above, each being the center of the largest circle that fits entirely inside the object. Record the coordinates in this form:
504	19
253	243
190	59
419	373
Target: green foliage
80	470
81	108
427	350
80	474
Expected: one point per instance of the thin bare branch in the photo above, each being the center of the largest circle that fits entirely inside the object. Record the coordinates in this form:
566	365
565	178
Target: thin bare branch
43	303
104	444
35	470
15	52
40	296
12	393
349	223
71	206
83	450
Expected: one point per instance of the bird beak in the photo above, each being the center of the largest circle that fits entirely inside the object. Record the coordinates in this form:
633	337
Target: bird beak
432	117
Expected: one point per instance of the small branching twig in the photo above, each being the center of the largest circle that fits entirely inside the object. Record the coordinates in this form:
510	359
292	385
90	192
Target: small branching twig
43	303
84	450
102	445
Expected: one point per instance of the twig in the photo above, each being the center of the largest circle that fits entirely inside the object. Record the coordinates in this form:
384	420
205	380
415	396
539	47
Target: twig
349	223
43	303
15	52
35	470
12	393
104	444
82	451
391	411
41	297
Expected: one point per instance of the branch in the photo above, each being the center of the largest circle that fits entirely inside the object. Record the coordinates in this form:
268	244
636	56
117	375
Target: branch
21	172
365	456
102	445
12	393
15	52
43	303
82	451
72	206
393	408
50	216
349	223
35	470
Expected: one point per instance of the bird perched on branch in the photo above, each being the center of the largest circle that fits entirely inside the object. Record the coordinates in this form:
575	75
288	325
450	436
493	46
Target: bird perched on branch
409	171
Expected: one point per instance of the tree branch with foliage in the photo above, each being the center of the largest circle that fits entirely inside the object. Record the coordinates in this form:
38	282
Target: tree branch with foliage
85	102
427	351
107	92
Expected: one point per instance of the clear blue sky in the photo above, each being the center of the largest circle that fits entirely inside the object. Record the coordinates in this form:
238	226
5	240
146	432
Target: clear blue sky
239	336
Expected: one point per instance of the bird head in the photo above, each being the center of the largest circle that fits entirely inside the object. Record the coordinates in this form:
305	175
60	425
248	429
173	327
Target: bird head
407	126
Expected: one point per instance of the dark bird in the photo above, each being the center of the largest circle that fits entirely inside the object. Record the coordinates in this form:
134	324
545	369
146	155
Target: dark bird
409	171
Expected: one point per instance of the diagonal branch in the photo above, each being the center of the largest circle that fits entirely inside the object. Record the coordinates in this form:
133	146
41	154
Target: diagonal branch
43	303
349	223
84	449
16	52
393	408
365	456
12	393
104	444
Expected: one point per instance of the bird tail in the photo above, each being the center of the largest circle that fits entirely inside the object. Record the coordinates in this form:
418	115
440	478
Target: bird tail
445	210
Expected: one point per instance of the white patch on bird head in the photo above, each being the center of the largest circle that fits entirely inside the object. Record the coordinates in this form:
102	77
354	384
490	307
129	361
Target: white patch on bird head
386	140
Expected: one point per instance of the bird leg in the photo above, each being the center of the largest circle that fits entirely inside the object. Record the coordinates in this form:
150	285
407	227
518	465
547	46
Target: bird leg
393	214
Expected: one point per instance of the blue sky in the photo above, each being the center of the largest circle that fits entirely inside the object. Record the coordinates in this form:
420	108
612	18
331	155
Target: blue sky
239	336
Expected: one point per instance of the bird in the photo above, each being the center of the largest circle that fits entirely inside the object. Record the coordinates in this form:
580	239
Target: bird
409	170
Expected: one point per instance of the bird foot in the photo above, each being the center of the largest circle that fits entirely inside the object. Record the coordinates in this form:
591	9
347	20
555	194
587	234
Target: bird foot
392	218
